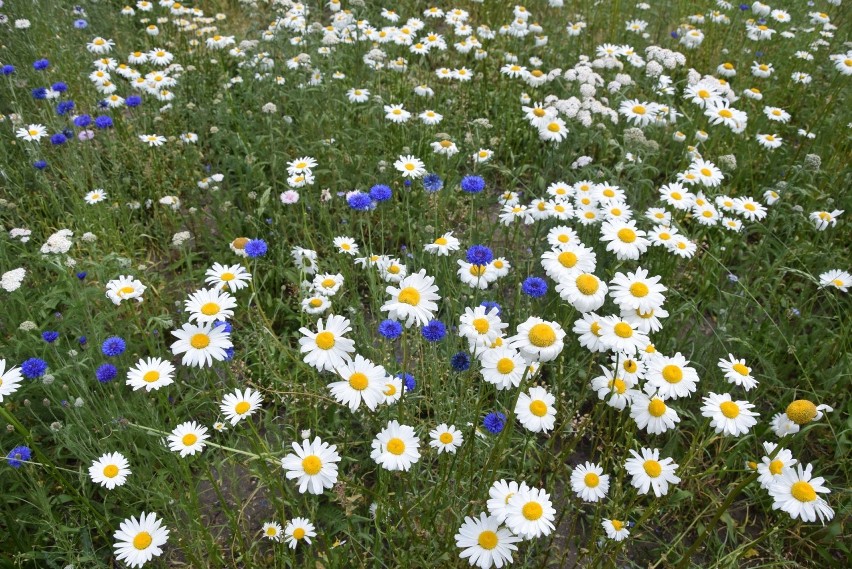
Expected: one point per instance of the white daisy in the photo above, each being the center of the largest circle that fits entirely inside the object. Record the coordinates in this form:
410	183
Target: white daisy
446	438
797	493
238	405
728	417
151	373
363	382
535	410
648	471
110	470
327	348
314	464
200	345
530	513
396	447
589	482
139	541
485	543
188	438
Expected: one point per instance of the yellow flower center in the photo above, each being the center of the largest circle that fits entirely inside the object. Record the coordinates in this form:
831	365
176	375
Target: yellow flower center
542	335
639	110
240	242
242	407
446	438
538	408
775	467
142	540
446	143
487	540
358	381
328	283
729	409
298	533
591	480
741	369
271	531
481	325
672	374
837	282
126	290
111	471
587	284
595	329
639	289
725	113
441	241
801	411
199	341
656	407
617	525
409	296
554	127
652	468
727	66
630	366
505	365
477	270
539	112
532	511
619	385
703	94
189	439
567	259
623	330
315	303
802	491
563	238
325	340
396	446
627	235
209	309
311	465
151	376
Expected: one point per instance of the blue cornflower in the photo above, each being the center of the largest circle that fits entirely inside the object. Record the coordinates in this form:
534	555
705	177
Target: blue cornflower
229	354
472	184
64	106
41	64
494	422
103	121
460	361
33	368
225	326
133	101
381	193
113	346
256	248
59	87
102	104
39	93
82	121
407	183
7	69
82	340
534	286
479	255
390	329
40	164
408	381
81	275
489	304
434	331
106	373
17	455
58	139
432	183
745	7
359	201
81	24
49	336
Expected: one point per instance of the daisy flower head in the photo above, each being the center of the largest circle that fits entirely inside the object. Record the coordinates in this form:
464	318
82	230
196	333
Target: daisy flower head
652	413
32	133
238	405
346	245
681	246
410	166
152	139
770	469
776	114
671	377
414	300
10	380
797	492
615	389
538	340
530	513
396	447
622	336
210	305
392	389
396	114
297	530
139	541
749	208
314	464
499	495
446	438
327	348
737	372
677	196
565	261
616	529
801	412
316	304
822	220
649	472
443	245
836	278
363	382
272	530
95	196
188	438
503	367
589	482
150	373
124	287
553	130
232	277
327	284
637	291
584	291
708	173
358	95
481	326
535	410
485	543
110	470
589	331
201	344
624	239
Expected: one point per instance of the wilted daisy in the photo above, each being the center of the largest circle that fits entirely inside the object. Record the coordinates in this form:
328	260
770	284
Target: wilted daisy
797	493
615	529
485	543
396	447
327	348
530	513
414	300
363	382
538	340
233	277
188	438
770	469
10	380
210	305
272	530
822	220
648	471
150	373
589	482
124	288
446	438
200	345
238	405
110	470
297	530
139	541
314	464
535	410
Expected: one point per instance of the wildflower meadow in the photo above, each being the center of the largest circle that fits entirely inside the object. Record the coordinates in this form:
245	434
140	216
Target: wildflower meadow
425	284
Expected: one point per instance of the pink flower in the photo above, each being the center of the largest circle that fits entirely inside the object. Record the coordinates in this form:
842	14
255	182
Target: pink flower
289	197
